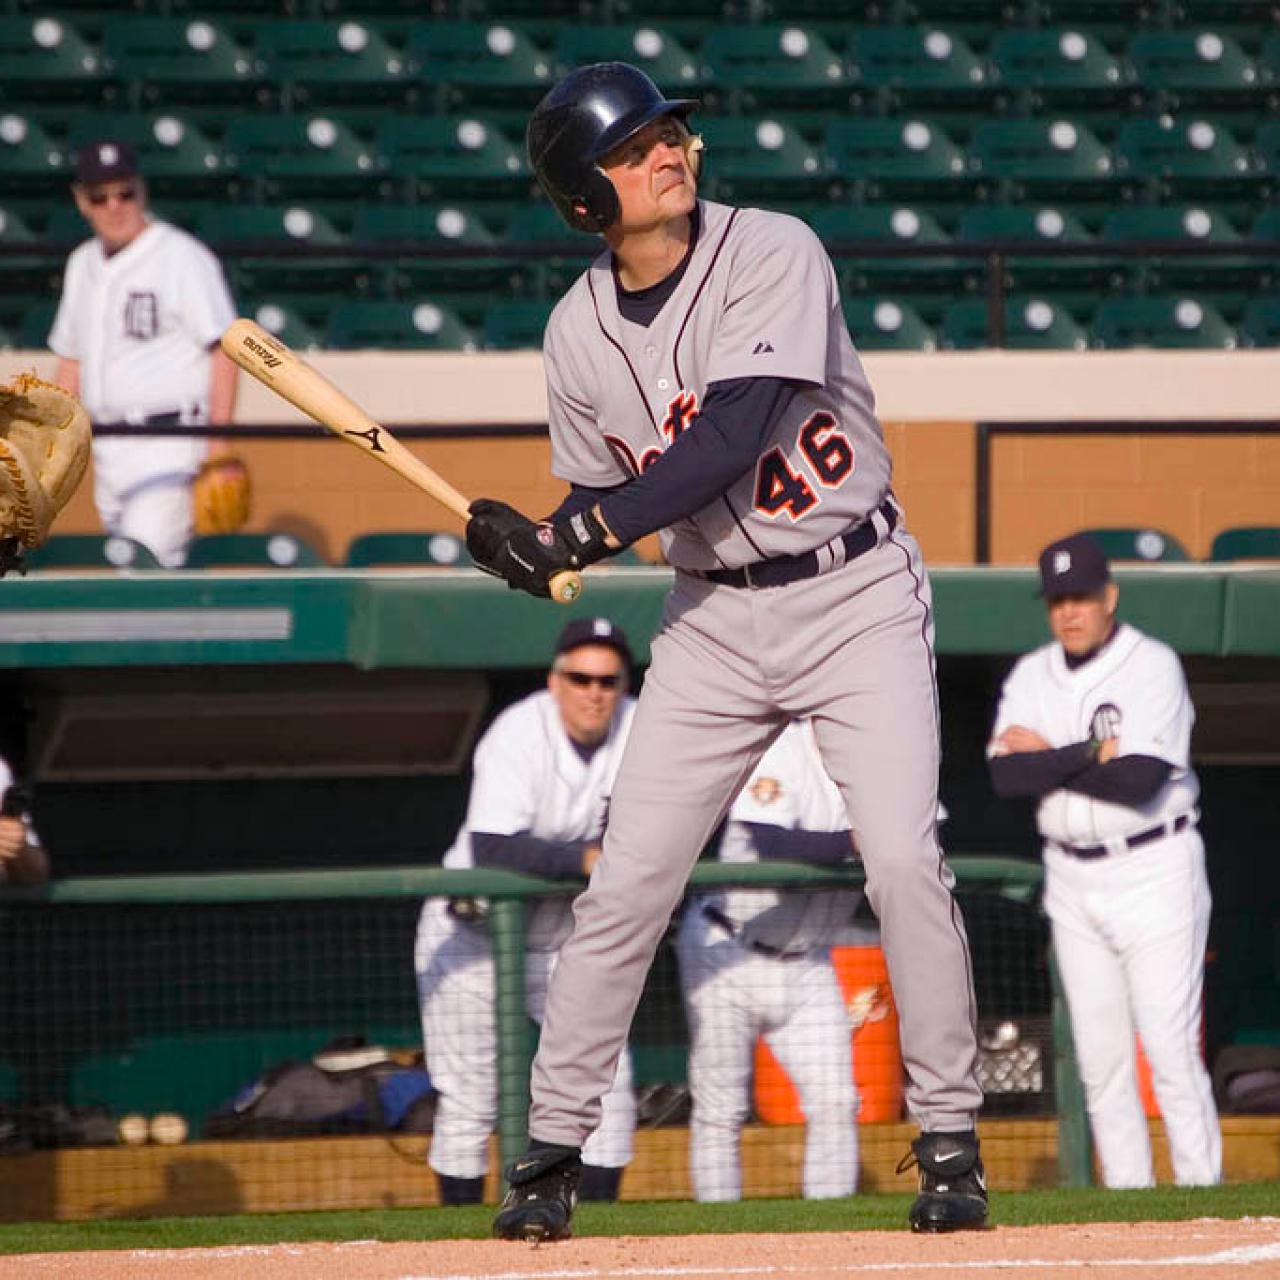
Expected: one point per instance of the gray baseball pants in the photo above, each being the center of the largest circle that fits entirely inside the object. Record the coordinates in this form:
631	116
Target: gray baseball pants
853	649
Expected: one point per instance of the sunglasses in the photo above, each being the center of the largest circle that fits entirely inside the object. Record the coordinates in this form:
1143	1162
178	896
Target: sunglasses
125	196
582	680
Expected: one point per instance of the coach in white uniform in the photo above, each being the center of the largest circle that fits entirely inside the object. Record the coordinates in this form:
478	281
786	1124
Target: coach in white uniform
758	962
1098	725
541	780
143	306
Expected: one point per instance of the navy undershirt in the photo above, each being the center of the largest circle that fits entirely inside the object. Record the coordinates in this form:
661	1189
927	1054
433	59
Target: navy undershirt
555	859
721	445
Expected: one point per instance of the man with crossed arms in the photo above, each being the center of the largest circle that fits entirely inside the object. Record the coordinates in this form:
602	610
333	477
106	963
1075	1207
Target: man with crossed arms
1098	726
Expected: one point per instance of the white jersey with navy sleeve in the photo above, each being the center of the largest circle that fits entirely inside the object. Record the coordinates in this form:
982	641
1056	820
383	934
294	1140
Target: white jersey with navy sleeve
1133	690
530	779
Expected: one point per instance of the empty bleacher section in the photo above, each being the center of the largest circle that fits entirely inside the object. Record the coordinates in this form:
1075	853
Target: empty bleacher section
287	131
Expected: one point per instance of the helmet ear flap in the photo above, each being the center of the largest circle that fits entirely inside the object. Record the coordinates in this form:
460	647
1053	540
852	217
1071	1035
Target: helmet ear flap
598	206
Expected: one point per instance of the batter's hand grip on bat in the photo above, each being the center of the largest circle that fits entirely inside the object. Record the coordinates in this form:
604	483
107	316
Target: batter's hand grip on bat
263	356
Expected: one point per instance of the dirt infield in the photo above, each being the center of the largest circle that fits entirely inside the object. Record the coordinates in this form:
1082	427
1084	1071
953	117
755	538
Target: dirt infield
1202	1249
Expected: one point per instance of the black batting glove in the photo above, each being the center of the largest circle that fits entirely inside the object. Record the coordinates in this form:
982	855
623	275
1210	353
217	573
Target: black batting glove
491	524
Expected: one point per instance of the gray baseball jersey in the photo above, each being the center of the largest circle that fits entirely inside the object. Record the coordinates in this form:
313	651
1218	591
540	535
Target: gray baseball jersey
757	300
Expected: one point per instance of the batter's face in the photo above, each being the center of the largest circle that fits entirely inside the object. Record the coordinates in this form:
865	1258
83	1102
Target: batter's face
1080	623
116	210
652	176
587	683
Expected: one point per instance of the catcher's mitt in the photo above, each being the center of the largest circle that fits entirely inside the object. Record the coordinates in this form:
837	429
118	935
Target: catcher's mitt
220	495
44	448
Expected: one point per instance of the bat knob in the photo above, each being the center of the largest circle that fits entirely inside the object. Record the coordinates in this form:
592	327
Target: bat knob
565	587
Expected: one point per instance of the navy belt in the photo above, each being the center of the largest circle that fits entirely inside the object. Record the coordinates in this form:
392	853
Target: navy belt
173	419
1180	823
734	930
783	569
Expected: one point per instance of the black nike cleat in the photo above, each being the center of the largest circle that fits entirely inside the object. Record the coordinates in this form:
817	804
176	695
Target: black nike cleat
953	1188
539	1204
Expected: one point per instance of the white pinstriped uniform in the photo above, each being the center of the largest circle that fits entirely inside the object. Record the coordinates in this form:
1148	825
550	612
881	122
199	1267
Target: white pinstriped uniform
1130	928
528	777
141	323
734	993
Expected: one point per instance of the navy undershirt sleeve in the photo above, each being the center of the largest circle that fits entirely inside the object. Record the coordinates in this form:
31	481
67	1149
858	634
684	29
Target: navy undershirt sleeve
1033	773
795	844
580	497
1131	780
523	852
720	446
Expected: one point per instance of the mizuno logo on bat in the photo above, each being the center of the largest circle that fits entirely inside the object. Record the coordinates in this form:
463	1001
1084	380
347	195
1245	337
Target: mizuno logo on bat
373	436
263	353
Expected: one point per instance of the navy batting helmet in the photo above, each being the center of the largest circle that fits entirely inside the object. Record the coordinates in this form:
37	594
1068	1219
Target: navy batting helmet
584	117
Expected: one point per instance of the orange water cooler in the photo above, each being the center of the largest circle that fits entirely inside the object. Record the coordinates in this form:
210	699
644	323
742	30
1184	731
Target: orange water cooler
877	1059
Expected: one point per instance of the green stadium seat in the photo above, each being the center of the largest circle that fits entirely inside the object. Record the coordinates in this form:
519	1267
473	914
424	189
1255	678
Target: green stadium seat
1029	223
887	324
478	64
1112	21
1183	157
286	322
45	59
1042	158
774	65
173	61
1266	146
896	225
33	332
1058	68
750	159
1260	324
13	229
7	340
1247	542
1030	324
289	157
250	236
318	62
658	53
417	547
1190	68
436	277
31	163
914	68
1266	225
384	325
1181	224
1120	543
90	551
443	156
1160	321
539	221
176	158
876	159
517	325
252	551
66	226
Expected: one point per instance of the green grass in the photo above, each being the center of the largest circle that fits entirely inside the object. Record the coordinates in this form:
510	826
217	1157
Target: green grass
862	1213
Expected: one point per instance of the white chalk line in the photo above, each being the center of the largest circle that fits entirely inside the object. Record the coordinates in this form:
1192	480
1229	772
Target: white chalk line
1244	1255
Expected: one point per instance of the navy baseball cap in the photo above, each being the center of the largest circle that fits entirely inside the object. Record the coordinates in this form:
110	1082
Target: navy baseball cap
582	631
1074	566
105	161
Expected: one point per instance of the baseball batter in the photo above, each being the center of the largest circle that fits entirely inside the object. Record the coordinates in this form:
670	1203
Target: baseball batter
701	382
542	777
1098	725
143	306
758	962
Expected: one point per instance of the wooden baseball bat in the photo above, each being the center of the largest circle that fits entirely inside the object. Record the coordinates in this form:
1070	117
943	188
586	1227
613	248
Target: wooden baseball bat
277	366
